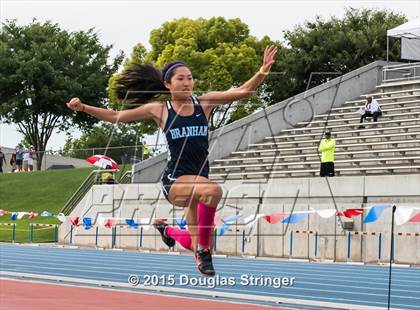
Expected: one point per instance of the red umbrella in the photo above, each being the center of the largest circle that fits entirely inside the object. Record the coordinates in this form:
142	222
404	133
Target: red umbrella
102	161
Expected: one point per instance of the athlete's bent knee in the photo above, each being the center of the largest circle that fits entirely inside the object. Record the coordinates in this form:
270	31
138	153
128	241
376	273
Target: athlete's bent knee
211	194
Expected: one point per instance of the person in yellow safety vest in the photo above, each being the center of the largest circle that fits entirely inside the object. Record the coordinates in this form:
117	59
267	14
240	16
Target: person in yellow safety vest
327	148
145	150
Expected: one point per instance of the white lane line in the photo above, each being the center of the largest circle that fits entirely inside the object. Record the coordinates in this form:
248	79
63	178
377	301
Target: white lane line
158	255
406	277
96	273
83	259
151	267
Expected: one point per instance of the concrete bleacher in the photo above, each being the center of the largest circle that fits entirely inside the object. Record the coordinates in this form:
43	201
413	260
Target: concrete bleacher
390	145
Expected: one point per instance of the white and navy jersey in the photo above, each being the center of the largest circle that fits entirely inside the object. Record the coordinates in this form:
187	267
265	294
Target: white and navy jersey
188	142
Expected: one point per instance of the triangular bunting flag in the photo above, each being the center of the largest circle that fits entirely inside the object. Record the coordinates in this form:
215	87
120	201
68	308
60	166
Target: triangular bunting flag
87	223
181	223
74	220
402	215
227	222
415	218
145	223
109	222
31	215
251	219
351	213
326	213
20	215
46	214
131	223
274	218
374	213
294	218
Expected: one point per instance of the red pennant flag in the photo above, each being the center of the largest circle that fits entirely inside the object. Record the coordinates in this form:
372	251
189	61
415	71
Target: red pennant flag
415	218
74	220
274	218
31	215
109	223
350	213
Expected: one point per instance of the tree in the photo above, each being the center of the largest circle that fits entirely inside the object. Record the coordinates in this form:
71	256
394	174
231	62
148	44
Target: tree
336	46
41	68
116	141
220	53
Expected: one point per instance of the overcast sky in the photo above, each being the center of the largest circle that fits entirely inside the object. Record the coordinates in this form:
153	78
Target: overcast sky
126	23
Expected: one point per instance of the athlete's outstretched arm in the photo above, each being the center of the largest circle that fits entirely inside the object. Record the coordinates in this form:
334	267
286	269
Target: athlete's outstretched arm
144	111
245	90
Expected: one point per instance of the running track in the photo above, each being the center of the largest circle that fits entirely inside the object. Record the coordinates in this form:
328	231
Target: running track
317	285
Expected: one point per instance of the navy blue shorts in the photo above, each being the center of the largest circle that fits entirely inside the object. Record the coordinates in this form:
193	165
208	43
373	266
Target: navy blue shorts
167	182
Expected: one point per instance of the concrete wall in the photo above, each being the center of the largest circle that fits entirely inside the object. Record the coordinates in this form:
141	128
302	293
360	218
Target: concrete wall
270	121
268	240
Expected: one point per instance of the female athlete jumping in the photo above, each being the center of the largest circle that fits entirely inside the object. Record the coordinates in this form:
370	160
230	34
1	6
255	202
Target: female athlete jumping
184	120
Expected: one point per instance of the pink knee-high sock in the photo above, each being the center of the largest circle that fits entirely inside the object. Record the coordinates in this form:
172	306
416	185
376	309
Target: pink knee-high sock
181	236
205	219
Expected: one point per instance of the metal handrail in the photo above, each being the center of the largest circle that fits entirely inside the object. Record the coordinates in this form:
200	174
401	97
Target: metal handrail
126	178
412	69
402	65
78	195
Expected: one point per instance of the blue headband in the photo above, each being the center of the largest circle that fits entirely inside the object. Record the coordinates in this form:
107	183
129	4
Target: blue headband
172	68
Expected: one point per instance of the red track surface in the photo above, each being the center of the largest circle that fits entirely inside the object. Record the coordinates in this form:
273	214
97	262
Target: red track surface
19	295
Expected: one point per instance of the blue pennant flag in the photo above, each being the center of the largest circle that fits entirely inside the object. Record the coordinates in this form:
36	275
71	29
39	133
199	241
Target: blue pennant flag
181	223
227	222
87	223
294	218
374	213
13	216
46	214
131	223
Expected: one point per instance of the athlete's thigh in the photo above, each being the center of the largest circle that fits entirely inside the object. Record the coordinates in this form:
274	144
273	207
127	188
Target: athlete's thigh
189	189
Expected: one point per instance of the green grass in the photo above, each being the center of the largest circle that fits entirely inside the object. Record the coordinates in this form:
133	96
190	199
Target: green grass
40	234
36	191
39	191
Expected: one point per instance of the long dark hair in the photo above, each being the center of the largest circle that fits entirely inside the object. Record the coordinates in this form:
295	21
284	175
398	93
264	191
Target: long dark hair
140	84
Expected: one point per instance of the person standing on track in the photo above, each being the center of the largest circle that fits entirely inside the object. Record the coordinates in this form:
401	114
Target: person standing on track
184	120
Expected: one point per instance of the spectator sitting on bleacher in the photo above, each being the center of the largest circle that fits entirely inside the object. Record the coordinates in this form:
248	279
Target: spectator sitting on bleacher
107	177
370	109
327	149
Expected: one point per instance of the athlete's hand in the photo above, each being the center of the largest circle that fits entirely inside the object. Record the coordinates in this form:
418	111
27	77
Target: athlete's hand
269	57
75	104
